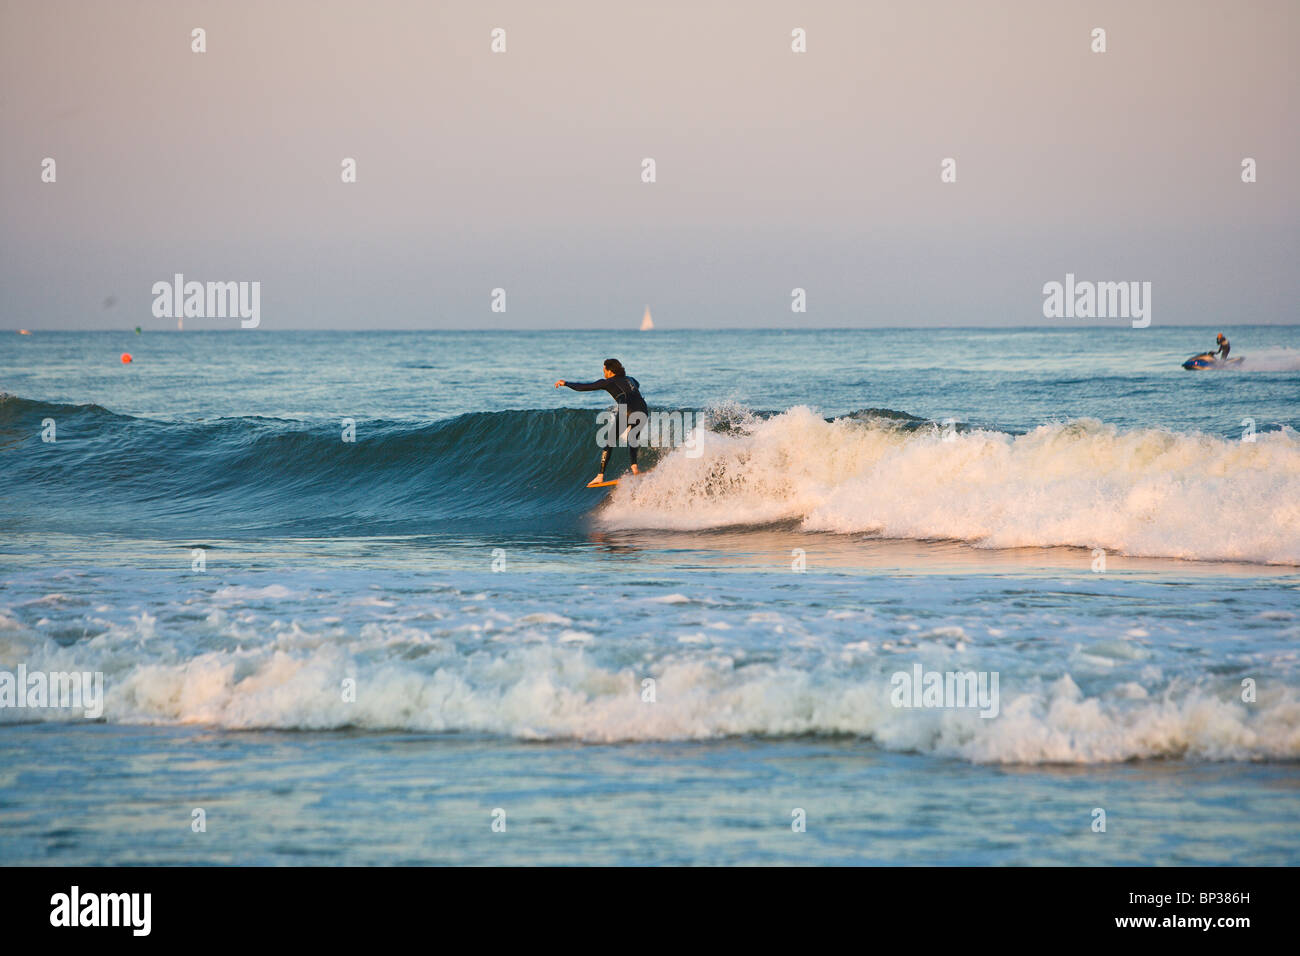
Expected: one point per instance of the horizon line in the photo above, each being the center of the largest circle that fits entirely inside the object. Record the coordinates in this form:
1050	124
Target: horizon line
659	329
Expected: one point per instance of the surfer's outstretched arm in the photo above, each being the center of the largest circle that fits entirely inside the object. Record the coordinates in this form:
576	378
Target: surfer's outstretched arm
597	386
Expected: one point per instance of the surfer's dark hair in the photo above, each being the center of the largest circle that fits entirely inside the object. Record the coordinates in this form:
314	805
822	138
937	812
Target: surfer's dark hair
615	366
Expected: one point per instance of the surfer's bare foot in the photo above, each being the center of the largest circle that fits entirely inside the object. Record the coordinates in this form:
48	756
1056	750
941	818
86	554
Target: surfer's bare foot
597	480
635	470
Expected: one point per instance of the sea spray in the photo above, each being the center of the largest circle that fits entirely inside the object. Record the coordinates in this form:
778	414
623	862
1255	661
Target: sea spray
1147	492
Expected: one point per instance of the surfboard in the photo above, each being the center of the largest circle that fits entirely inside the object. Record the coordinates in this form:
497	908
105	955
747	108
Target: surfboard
613	481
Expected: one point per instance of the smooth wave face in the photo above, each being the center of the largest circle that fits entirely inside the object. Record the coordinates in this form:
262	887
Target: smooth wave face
1145	492
232	476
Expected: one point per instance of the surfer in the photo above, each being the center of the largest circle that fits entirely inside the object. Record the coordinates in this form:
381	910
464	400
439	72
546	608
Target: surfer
626	391
1224	347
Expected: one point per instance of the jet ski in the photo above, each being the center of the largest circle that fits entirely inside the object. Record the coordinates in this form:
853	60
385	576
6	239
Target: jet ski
1210	360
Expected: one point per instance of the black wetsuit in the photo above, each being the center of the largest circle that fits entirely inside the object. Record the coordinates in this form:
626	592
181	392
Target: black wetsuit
627	392
1224	349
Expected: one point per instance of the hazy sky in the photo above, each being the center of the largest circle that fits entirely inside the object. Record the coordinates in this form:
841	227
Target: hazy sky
522	170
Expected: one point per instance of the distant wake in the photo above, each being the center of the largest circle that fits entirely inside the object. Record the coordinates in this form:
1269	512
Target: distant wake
1271	360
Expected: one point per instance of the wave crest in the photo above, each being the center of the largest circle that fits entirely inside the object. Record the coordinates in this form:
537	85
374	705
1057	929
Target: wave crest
1146	492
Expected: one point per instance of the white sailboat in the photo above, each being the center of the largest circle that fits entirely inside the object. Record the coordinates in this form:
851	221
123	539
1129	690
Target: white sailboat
647	323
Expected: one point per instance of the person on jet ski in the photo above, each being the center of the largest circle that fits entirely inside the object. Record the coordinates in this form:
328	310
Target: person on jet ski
1224	347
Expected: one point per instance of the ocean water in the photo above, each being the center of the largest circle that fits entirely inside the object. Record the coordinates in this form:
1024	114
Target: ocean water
356	651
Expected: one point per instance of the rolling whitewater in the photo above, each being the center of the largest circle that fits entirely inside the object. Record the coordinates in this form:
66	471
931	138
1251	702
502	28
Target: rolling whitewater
235	524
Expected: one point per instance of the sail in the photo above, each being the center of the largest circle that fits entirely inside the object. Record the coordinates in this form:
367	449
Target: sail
647	323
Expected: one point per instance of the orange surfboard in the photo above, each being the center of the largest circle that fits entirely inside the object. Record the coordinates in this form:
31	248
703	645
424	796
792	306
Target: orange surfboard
605	484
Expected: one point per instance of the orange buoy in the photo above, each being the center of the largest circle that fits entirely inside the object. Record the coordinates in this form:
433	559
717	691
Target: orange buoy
126	358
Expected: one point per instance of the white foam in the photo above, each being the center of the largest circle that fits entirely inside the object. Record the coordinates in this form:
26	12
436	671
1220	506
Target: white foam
250	594
1146	492
670	599
548	692
544	617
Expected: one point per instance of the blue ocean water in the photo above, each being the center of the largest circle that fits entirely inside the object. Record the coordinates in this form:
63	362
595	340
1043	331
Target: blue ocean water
1117	539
